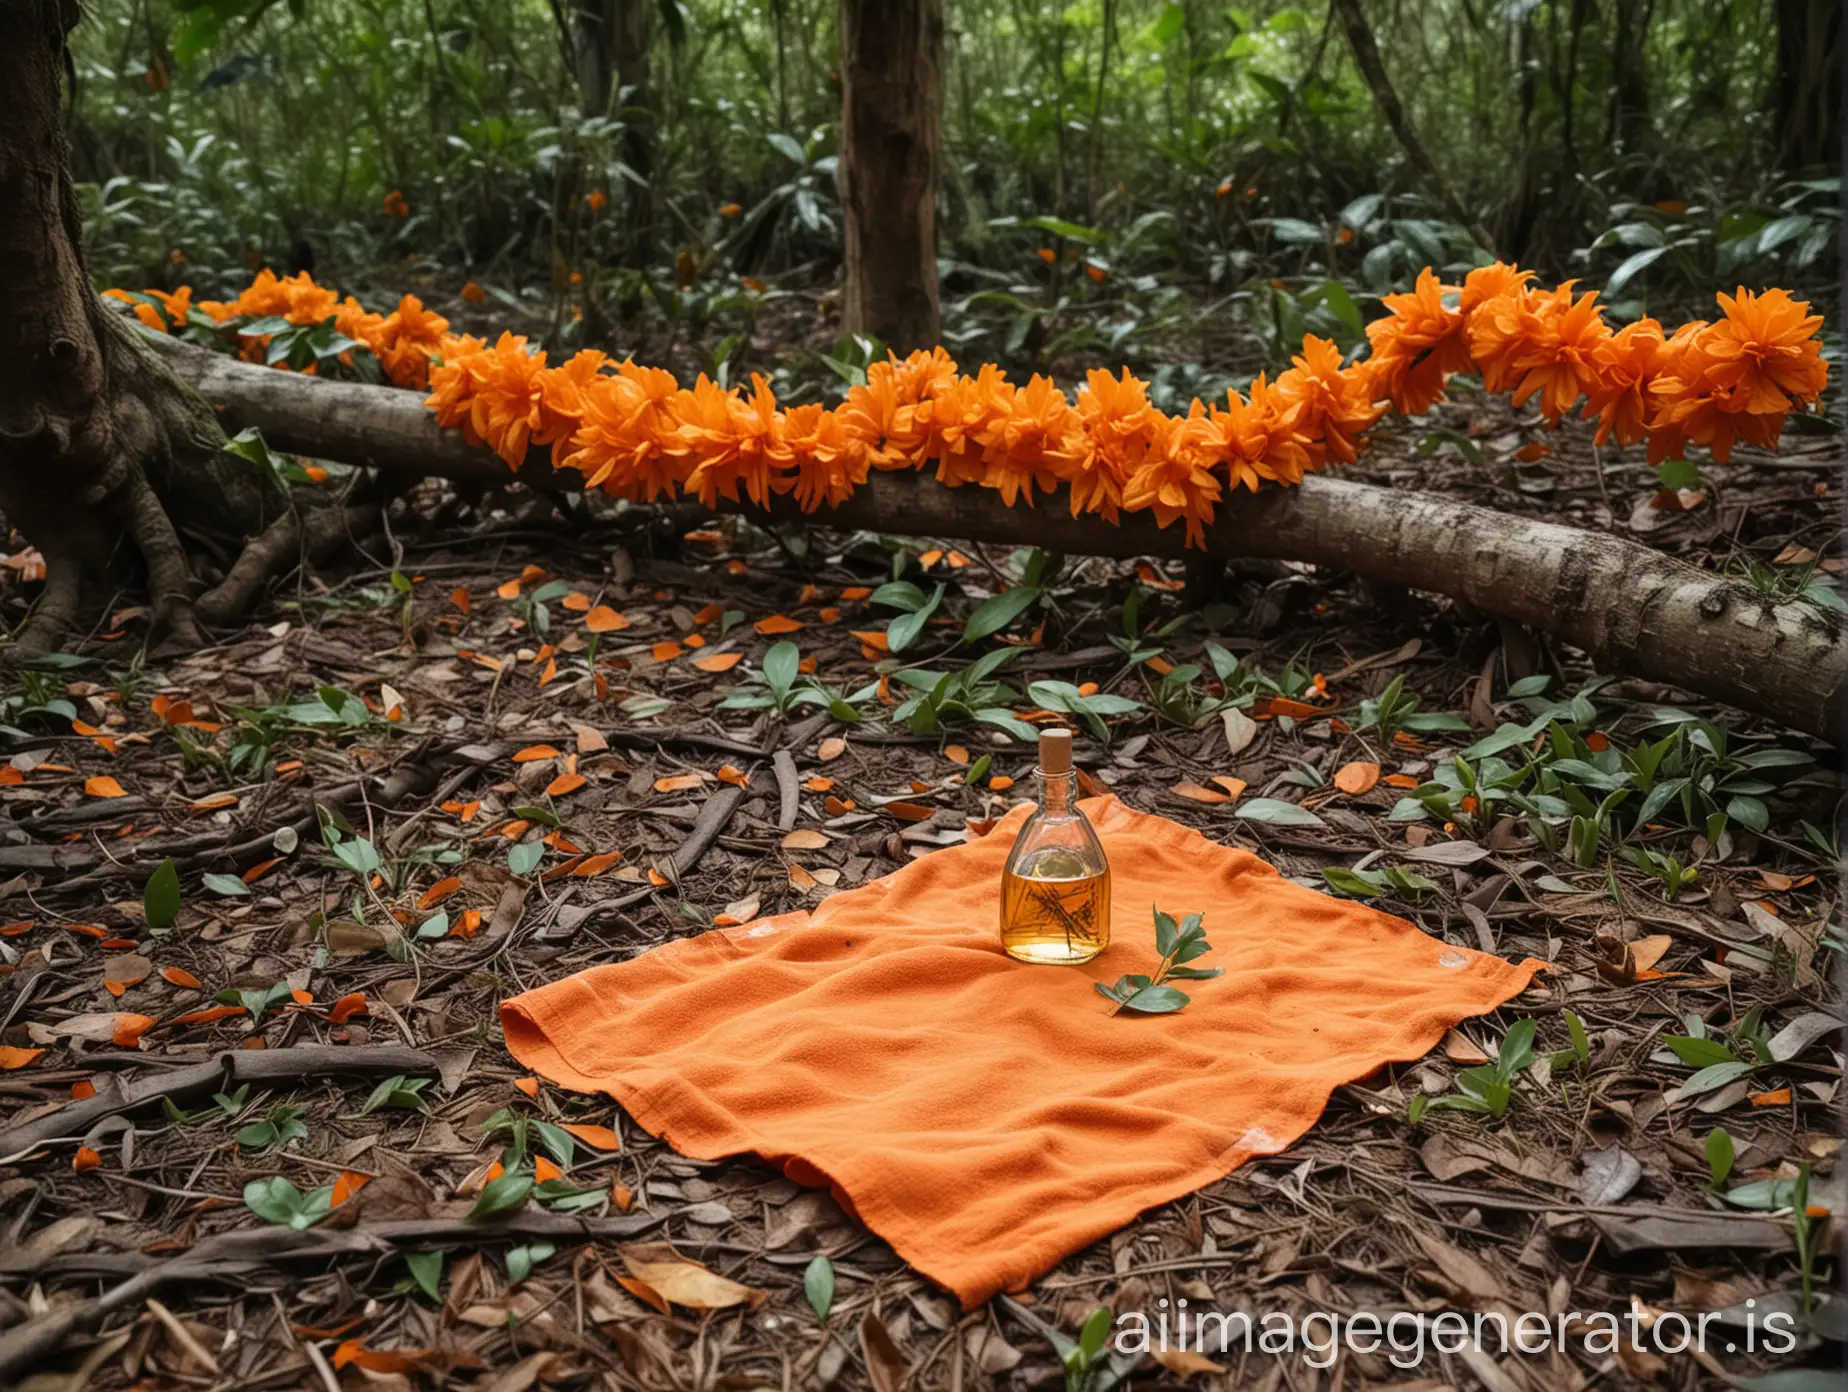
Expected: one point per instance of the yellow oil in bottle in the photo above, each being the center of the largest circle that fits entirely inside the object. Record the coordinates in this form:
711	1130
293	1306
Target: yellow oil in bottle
1055	907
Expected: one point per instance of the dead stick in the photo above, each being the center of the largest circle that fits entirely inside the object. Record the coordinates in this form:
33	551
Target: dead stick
233	1256
227	1070
786	783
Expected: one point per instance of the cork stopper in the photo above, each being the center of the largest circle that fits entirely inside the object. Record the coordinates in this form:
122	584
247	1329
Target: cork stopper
1055	751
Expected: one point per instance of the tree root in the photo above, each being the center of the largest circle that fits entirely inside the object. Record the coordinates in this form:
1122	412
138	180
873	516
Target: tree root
294	538
169	577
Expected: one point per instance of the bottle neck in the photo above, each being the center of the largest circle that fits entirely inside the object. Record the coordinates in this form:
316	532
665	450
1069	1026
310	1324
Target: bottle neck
1056	792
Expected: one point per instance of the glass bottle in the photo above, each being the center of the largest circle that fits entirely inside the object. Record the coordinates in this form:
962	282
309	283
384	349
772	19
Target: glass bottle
1055	891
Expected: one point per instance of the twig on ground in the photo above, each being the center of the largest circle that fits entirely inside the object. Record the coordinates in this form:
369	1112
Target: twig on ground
219	1074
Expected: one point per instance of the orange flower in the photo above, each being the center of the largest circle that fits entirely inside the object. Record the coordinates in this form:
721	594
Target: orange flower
1336	404
1179	481
624	434
1027	439
1260	436
1417	347
1619	397
1539	342
1491	282
178	305
954	420
830	460
395	206
882	415
731	441
730	209
597	200
492	393
144	311
264	296
1765	349
353	320
474	294
405	341
304	302
1120	428
562	392
1047	254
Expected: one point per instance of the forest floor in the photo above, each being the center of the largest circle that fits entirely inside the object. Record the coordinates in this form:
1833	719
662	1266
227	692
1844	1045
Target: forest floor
1596	1191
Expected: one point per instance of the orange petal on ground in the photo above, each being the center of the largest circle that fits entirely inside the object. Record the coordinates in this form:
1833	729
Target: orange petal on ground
718	662
528	1085
1235	787
604	619
85	1159
1194	792
210	1015
544	1171
349	1005
439	891
595	865
535	752
1274	706
666	650
732	774
776	624
818	784
1780	1097
459	597
1528	453
102	786
577	602
1357	778
12	1057
872	637
956	754
678	783
346	1185
909	811
596	1137
831	749
1000	783
130	1027
565	783
1400	780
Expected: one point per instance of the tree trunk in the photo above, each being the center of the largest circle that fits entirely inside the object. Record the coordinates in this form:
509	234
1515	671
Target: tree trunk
891	144
1629	608
611	46
1806	87
1386	98
98	442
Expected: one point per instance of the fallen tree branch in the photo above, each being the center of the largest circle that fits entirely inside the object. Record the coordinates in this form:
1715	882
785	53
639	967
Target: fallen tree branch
219	1074
1627	607
238	1255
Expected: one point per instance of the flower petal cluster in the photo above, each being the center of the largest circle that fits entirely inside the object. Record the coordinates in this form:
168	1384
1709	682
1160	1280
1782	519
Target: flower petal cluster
635	432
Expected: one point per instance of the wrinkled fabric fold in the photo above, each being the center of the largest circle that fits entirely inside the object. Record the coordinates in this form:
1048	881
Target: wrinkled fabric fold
983	1116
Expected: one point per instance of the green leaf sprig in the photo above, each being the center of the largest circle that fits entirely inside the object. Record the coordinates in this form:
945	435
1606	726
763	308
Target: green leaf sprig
1178	945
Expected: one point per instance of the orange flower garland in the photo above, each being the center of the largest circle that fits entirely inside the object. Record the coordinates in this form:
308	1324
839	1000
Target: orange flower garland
635	432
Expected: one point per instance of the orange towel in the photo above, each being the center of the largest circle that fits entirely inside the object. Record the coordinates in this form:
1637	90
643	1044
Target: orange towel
983	1116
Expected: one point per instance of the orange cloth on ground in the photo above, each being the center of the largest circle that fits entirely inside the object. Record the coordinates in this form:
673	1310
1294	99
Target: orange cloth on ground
981	1115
